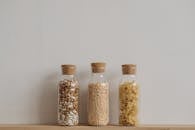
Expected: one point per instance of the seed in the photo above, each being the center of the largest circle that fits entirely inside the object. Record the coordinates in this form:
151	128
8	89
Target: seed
68	100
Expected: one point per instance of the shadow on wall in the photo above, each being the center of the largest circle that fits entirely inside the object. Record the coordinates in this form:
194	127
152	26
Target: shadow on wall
113	96
46	102
83	78
48	99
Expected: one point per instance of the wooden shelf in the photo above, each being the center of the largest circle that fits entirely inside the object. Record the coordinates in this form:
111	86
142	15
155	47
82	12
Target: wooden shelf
111	127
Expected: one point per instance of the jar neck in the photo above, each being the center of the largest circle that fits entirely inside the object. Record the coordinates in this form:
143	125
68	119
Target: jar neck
98	78
128	77
68	77
100	75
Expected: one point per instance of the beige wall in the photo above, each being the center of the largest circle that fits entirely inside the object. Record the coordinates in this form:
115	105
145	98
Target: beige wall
37	36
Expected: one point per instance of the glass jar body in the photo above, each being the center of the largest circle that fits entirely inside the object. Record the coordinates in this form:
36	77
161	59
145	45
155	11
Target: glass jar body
68	101
98	100
128	101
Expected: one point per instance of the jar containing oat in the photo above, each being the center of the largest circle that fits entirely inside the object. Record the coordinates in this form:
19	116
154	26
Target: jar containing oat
68	97
128	96
98	96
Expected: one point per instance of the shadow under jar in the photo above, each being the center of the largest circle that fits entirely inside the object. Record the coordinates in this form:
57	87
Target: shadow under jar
68	97
98	96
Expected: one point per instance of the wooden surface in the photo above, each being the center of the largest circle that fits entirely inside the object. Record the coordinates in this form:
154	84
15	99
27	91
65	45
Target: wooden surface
55	127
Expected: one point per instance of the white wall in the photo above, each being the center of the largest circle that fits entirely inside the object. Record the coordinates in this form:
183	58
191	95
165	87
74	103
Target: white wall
37	36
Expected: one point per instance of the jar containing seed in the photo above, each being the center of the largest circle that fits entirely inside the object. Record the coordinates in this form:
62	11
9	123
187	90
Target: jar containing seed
68	97
128	96
98	96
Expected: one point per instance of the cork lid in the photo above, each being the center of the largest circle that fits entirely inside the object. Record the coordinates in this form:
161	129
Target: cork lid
98	67
129	69
68	69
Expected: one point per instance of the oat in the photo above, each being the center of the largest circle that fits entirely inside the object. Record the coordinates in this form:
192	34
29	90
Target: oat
98	104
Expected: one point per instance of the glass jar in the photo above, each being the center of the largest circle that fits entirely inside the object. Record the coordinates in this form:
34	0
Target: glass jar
128	96
98	96
68	97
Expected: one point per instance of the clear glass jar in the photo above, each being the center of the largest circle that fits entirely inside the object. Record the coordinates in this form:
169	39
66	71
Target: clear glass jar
68	97
128	96
98	96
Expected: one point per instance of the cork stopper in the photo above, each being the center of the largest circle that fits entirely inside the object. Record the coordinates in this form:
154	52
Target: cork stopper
129	69
68	69
98	67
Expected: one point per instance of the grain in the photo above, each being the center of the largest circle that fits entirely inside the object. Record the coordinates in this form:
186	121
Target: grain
98	104
68	100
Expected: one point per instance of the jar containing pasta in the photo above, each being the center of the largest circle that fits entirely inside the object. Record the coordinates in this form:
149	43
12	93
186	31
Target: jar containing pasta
68	97
128	96
98	96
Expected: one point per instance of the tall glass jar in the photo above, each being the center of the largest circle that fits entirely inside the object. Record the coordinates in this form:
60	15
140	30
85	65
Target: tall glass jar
98	96
128	96
68	97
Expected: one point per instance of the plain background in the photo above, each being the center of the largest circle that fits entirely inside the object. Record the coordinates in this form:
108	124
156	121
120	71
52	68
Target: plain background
37	36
